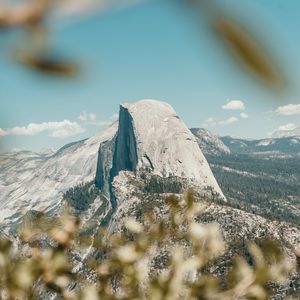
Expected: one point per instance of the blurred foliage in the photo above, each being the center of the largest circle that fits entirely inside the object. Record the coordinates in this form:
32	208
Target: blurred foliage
247	50
155	258
243	44
31	16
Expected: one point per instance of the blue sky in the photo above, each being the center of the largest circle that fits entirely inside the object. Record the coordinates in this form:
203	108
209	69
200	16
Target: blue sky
159	50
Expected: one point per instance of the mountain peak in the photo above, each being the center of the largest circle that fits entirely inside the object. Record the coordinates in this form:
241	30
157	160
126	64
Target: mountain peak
152	137
209	143
145	104
149	138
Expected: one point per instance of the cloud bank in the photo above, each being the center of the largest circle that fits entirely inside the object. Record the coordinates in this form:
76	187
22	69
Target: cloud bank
60	129
289	126
288	110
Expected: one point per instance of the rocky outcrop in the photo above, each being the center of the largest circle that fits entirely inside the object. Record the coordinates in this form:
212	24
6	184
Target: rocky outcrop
149	137
152	138
209	143
30	181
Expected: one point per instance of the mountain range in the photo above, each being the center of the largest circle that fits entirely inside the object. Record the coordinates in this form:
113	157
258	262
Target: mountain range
149	153
258	176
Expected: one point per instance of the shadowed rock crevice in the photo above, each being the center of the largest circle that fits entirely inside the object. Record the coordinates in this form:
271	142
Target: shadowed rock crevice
125	155
118	154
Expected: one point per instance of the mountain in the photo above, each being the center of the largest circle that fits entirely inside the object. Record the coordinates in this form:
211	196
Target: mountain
209	143
139	167
151	146
133	165
286	133
270	147
148	138
258	176
32	181
151	138
134	169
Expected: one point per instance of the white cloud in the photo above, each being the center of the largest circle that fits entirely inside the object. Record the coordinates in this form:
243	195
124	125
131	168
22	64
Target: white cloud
286	127
230	105
60	129
87	117
234	105
286	130
288	110
2	132
228	121
244	115
67	129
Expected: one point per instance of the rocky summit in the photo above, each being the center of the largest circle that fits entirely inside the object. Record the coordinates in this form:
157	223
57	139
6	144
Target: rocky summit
149	139
152	139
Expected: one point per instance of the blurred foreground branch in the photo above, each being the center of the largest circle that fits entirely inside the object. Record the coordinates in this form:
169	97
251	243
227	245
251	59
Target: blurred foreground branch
31	16
148	259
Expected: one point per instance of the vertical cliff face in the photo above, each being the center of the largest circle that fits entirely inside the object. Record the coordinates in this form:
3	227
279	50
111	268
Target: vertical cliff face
148	151
125	153
152	138
104	165
117	154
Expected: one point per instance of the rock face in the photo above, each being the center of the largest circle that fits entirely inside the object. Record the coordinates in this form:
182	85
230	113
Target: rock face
209	143
31	181
149	138
152	138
